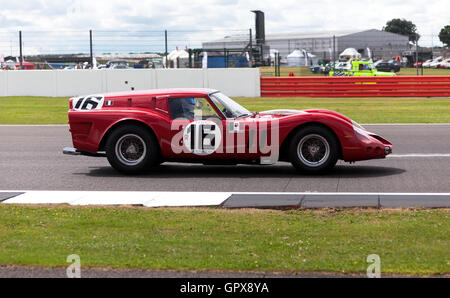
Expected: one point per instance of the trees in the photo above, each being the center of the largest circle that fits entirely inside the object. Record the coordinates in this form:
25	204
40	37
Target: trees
444	35
403	27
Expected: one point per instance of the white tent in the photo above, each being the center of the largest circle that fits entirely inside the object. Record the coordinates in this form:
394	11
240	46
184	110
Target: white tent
11	64
94	63
179	58
349	53
205	60
273	52
301	58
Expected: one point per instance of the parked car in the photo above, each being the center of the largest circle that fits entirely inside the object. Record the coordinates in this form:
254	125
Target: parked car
444	63
420	63
141	129
447	65
315	69
377	62
436	63
320	69
388	66
117	64
428	63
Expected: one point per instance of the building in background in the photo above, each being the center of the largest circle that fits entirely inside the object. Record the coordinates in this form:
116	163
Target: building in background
324	45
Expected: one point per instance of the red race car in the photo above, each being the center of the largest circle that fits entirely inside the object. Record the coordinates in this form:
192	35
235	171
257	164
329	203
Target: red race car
139	130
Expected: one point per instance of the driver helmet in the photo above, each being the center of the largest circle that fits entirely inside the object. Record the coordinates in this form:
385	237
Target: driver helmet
188	105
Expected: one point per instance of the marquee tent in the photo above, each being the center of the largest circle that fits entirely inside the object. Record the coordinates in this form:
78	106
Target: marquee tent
301	58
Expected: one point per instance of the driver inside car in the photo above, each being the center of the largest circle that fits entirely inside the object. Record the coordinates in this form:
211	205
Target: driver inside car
182	108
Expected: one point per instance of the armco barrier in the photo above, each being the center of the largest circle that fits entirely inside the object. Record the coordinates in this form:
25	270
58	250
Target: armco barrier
397	86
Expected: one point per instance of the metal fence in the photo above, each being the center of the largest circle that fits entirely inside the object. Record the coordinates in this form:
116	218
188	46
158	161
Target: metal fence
103	43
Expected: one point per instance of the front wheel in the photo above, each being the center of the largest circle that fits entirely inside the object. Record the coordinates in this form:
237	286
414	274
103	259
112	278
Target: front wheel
314	149
132	149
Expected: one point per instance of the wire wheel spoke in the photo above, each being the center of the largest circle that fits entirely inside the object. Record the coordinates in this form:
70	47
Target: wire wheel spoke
313	150
131	149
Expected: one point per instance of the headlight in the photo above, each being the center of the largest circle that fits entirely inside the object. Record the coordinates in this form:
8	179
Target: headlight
360	131
357	125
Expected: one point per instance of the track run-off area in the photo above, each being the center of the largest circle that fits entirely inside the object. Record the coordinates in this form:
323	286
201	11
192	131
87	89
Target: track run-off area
31	159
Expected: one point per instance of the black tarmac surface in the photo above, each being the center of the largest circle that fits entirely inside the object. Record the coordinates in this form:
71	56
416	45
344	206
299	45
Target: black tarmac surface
31	159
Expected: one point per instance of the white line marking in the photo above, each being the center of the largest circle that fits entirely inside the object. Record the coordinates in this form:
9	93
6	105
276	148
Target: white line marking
405	124
170	199
178	193
348	193
33	125
148	199
419	155
363	124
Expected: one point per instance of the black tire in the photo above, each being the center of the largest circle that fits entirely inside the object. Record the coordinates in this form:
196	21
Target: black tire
314	149
132	149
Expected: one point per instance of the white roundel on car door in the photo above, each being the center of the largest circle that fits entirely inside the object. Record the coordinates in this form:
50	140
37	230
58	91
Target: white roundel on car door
202	137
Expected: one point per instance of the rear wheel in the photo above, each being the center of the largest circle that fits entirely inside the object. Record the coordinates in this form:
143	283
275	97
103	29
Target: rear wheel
132	149
313	149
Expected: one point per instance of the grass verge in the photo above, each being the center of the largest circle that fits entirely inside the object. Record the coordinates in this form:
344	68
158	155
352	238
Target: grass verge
407	241
35	110
364	110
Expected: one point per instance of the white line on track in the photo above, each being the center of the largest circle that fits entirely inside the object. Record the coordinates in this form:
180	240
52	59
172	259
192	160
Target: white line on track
363	124
405	124
430	155
148	199
183	199
33	125
217	192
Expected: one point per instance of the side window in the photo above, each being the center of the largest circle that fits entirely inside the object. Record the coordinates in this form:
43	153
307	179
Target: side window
191	108
364	67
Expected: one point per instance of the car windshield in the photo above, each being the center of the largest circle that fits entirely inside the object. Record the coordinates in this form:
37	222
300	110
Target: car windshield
229	107
343	65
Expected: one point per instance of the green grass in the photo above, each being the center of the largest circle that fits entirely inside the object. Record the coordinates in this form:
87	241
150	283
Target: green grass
33	110
269	71
364	110
407	241
36	110
426	72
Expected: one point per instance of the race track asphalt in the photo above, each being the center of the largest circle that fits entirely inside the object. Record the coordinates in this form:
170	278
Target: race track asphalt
31	159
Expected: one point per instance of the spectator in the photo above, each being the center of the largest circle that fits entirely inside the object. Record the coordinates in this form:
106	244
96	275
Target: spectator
404	61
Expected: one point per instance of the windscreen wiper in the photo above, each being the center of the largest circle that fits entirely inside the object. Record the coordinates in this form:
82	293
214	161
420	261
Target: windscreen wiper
243	115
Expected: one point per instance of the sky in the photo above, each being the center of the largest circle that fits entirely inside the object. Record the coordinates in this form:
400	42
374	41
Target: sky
44	21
